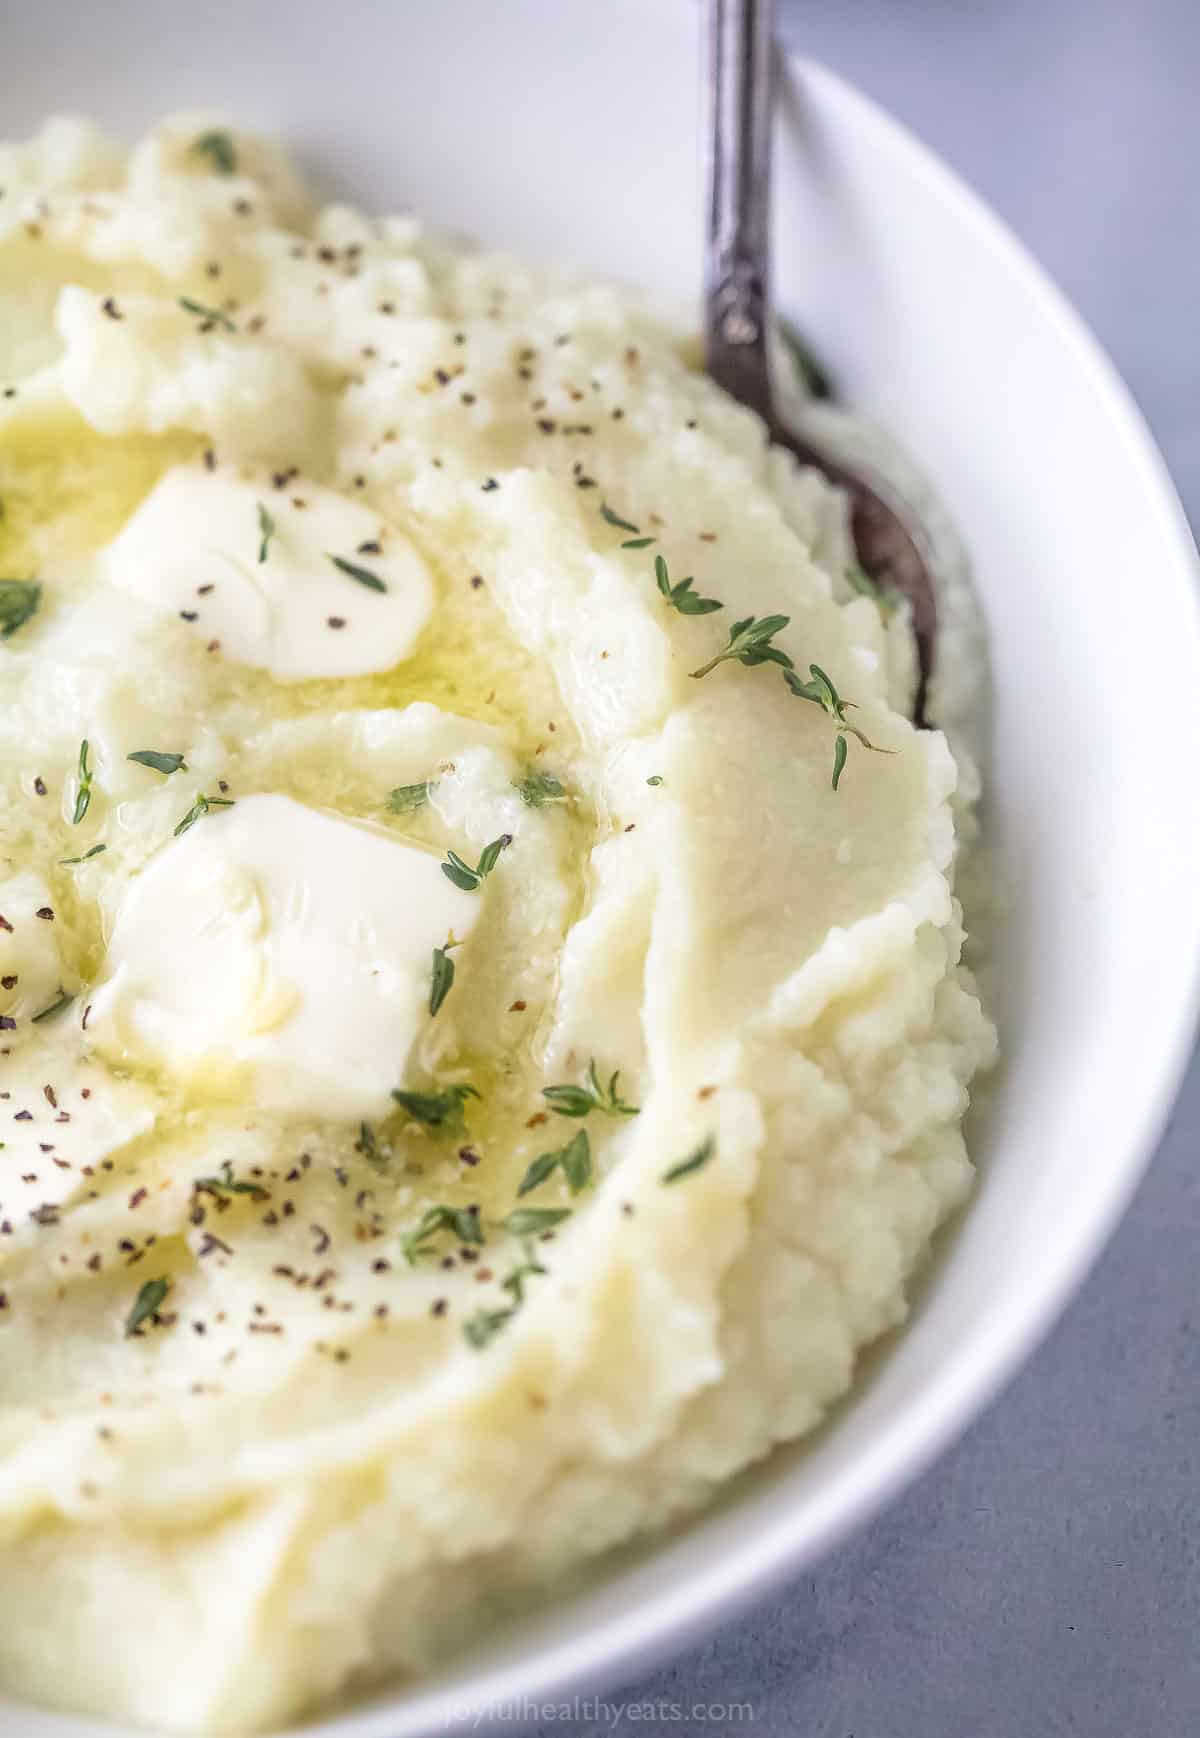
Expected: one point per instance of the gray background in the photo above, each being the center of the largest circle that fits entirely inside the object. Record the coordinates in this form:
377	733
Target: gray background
1043	1578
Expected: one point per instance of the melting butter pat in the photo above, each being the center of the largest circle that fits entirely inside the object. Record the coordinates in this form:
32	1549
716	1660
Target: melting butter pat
193	548
281	954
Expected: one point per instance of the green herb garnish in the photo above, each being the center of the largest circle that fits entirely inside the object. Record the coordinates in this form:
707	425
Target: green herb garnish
405	798
532	1221
574	1161
61	1001
637	541
656	780
443	1112
157	761
227	1184
749	643
462	874
363	575
266	530
218	147
208	317
681	596
821	691
147	1305
514	1282
694	1162
95	851
812	375
200	807
886	597
83	791
582	1100
442	980
481	1328
538	788
368	1145
19	600
464	1222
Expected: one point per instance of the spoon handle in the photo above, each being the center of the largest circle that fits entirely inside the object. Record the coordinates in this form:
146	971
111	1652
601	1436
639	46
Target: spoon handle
740	75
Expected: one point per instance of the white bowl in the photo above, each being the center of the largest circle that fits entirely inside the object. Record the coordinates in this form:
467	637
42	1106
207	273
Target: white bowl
573	131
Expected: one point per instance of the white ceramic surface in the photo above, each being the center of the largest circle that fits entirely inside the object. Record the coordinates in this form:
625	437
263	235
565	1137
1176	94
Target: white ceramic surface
571	130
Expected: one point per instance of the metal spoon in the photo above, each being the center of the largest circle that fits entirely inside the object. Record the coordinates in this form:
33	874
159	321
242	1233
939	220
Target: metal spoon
892	547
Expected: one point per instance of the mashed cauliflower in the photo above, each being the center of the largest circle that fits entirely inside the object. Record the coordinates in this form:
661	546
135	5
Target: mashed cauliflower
476	1063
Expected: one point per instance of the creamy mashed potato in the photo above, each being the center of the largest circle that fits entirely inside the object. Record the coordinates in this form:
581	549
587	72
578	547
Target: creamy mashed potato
468	1083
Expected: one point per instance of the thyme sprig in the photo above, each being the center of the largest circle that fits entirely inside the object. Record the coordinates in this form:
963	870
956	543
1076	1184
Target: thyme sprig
441	980
821	691
637	541
217	145
83	786
209	318
19	600
681	596
582	1100
574	1161
695	1161
462	874
202	806
146	1306
266	530
750	643
464	1222
443	1113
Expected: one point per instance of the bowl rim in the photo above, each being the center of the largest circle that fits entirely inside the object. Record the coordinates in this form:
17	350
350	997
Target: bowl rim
665	1622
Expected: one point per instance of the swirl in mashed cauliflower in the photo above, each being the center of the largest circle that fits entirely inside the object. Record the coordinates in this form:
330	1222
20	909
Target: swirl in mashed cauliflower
468	1085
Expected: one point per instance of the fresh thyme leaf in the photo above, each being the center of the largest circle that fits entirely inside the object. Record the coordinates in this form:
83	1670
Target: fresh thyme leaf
200	807
886	596
582	1100
83	790
442	978
656	780
615	519
574	1161
61	1001
638	542
441	1112
464	1222
531	1221
462	874
539	1170
157	761
749	643
681	596
19	599
839	758
821	691
209	317
227	1184
694	1162
368	1145
813	376
266	529
514	1282
405	798
147	1305
352	570
95	851
480	1329
538	788
218	147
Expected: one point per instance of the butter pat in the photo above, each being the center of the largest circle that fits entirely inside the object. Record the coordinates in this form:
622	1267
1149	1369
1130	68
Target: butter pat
192	551
280	953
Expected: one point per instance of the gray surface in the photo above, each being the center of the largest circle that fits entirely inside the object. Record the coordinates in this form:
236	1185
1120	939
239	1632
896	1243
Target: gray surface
1044	1578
